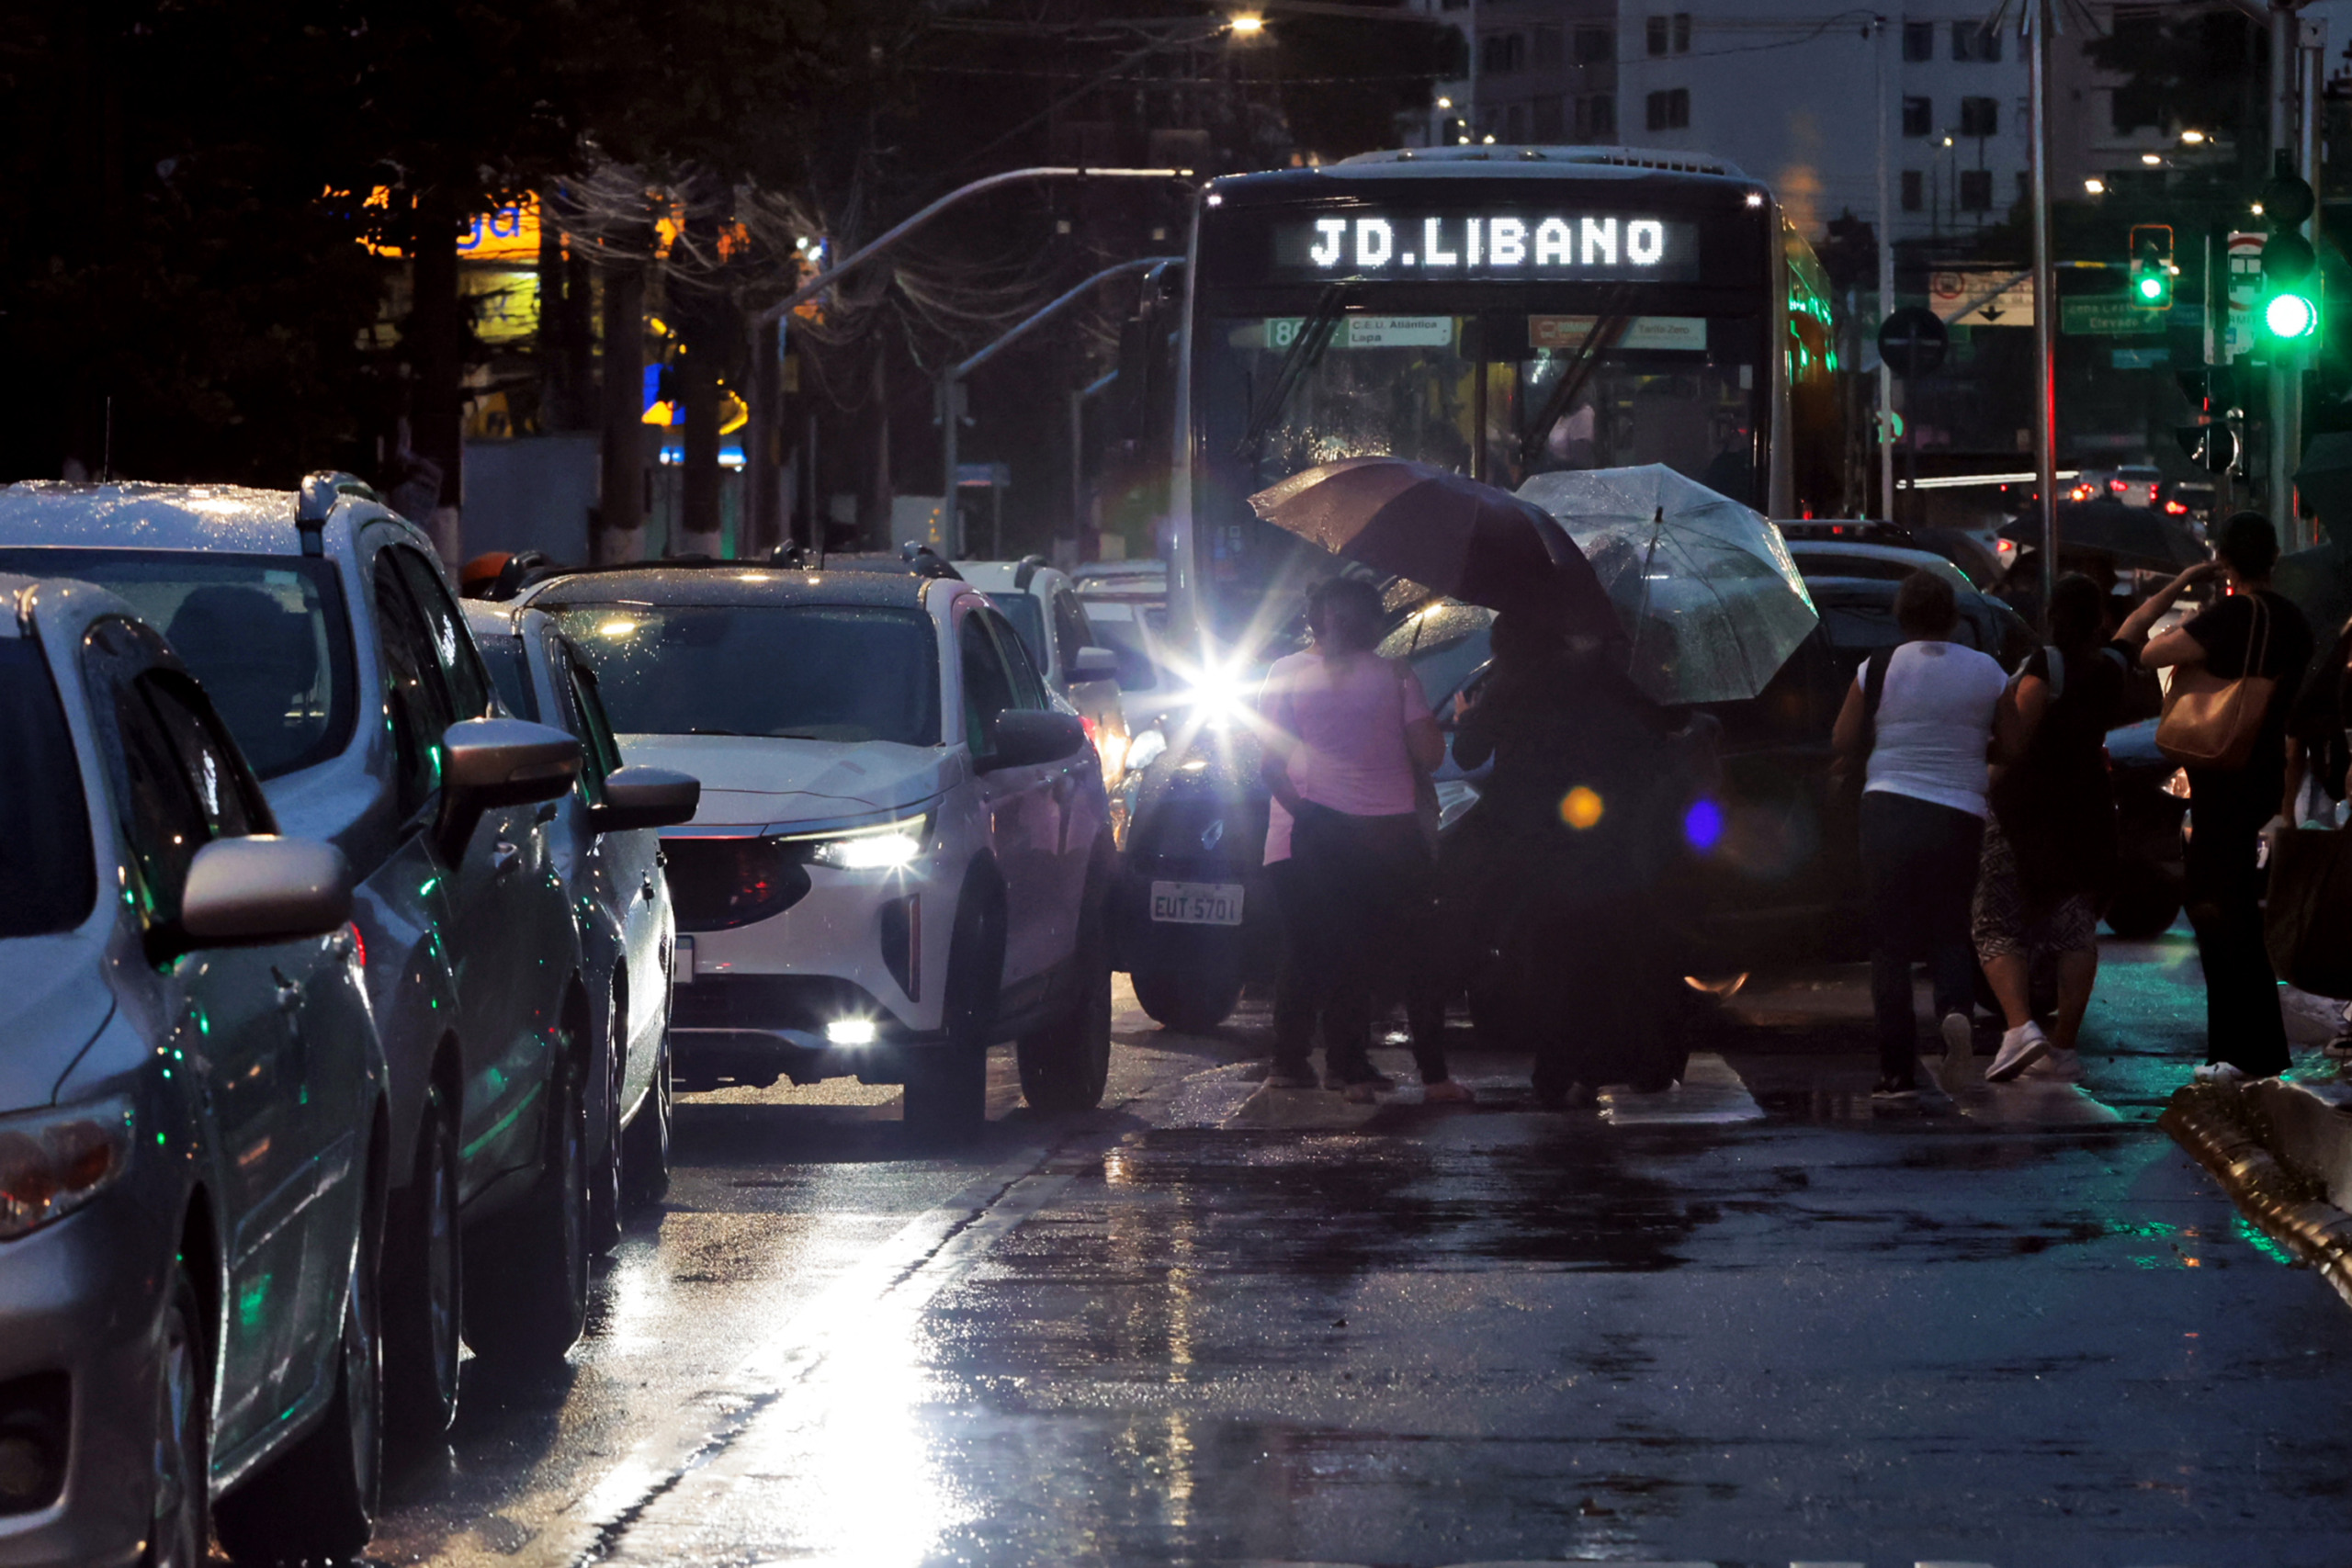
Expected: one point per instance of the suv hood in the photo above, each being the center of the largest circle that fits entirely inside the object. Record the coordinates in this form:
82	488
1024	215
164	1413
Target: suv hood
750	781
53	1004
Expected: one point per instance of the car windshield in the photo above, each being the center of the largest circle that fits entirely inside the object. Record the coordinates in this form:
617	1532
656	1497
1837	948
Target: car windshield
47	878
1027	613
799	672
266	636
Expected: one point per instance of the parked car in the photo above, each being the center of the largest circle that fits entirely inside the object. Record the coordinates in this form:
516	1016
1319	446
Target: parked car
1889	563
609	856
903	844
1126	606
327	638
1052	622
194	1136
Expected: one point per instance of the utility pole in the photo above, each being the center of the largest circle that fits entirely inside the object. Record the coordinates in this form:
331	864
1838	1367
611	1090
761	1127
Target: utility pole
2040	21
1882	30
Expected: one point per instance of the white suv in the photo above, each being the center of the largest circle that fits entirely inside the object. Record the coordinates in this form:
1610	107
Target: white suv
903	848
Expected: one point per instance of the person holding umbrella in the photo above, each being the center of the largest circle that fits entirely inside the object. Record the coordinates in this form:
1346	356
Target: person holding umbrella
1349	737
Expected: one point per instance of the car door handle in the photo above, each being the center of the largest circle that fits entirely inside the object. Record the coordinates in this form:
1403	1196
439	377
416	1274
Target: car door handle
646	888
504	858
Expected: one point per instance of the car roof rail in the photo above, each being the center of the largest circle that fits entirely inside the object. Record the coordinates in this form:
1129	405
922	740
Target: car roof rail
1027	571
316	499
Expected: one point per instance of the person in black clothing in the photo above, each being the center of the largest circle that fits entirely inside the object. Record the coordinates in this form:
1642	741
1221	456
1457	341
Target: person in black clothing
2259	632
2050	844
1577	821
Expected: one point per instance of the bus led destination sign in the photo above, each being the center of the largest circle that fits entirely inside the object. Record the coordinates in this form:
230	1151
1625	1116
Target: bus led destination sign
1491	245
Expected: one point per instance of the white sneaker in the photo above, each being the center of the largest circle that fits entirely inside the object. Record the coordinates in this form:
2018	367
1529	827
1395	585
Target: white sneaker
1960	1036
2020	1048
2227	1074
2058	1067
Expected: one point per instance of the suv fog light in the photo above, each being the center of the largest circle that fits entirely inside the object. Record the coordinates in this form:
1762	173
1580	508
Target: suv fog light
850	1032
35	1437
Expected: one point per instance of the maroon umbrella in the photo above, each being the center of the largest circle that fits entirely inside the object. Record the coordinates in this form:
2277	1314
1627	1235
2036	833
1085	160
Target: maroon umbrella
1448	533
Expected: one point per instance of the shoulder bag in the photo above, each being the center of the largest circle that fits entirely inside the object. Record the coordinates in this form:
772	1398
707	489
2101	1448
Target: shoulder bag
2213	722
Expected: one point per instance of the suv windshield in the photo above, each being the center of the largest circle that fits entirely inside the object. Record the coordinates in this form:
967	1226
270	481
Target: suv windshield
47	878
266	636
801	672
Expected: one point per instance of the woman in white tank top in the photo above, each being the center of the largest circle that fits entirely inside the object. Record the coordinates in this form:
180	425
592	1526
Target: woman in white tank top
1925	722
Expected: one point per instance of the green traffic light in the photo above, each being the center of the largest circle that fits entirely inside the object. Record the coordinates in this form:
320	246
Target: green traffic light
2291	316
2151	289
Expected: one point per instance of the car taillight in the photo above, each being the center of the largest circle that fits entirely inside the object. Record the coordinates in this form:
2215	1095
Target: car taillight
2117	486
2152	491
2176	509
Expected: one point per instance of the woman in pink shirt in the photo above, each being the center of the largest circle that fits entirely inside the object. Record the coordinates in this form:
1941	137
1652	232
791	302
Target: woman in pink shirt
1350	736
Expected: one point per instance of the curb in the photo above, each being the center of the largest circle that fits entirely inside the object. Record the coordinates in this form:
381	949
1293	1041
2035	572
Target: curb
2233	1133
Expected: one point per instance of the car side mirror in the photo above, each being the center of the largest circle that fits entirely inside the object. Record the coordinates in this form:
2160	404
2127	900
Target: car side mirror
254	891
1093	664
1023	738
646	797
488	763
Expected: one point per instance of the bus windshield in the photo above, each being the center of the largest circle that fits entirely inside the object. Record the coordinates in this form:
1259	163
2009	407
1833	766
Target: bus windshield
1500	395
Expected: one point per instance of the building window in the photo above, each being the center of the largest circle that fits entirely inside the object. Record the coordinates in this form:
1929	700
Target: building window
1682	32
1503	53
1918	41
1597	117
1596	46
1657	35
1919	116
1549	126
1670	33
1980	116
1670	111
1548	51
1975	40
1977	190
1915	191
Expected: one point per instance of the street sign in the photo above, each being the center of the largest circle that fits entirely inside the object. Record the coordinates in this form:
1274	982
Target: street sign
2107	315
2245	285
2010	307
1912	341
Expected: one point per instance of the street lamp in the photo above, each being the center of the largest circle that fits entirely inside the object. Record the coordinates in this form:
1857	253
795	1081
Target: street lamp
2152	159
1247	24
2192	136
2094	186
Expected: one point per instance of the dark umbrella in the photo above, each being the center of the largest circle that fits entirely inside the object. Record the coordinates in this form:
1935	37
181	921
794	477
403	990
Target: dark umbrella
1448	533
2132	535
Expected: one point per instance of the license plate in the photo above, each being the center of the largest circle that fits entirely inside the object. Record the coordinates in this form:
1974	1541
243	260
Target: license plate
1197	903
682	961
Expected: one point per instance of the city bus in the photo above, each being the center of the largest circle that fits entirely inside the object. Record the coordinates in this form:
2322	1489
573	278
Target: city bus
1501	311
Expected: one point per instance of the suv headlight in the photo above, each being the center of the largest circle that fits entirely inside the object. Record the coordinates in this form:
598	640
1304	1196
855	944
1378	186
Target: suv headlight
886	846
52	1162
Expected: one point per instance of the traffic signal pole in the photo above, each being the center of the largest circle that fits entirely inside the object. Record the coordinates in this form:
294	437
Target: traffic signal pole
1885	286
2278	486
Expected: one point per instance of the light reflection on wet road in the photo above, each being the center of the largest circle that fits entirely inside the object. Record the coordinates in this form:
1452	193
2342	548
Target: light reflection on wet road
1216	1324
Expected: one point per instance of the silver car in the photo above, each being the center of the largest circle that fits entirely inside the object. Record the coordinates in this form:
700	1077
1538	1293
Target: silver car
607	853
194	1135
326	635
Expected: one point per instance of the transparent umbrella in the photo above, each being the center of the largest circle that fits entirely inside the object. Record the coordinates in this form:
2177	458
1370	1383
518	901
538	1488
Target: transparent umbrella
1704	586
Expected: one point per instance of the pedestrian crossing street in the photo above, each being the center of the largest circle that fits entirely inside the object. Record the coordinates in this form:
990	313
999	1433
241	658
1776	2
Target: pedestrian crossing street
1713	1093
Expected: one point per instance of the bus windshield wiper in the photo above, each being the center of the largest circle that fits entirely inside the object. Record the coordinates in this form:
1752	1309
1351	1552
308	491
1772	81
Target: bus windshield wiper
1607	328
1305	350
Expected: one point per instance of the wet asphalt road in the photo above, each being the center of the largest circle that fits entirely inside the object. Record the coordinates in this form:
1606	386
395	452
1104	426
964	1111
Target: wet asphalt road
1755	1321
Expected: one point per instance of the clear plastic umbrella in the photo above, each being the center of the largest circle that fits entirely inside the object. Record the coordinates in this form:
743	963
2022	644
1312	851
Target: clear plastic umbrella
1704	586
